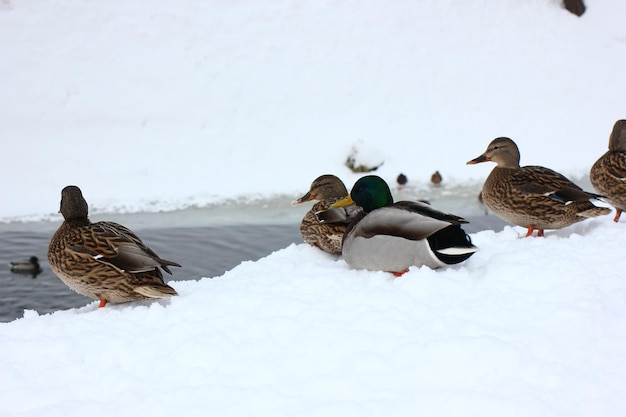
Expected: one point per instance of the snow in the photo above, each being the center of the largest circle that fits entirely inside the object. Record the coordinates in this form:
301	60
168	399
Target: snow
514	331
162	106
152	106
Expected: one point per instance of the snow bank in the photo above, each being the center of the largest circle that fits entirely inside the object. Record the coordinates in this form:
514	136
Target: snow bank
526	327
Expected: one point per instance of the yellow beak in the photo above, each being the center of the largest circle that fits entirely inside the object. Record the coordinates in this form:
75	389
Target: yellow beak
343	202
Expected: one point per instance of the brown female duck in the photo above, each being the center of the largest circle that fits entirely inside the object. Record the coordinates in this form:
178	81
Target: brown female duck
104	260
327	189
608	174
534	197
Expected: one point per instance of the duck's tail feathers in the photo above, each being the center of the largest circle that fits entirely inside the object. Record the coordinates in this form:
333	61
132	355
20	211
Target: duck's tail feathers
595	212
452	245
156	291
165	263
457	250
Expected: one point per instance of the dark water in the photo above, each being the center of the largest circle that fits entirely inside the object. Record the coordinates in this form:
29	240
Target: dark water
202	251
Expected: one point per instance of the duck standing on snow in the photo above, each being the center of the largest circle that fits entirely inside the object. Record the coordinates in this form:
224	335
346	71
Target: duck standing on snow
28	266
392	237
534	197
104	260
608	174
327	189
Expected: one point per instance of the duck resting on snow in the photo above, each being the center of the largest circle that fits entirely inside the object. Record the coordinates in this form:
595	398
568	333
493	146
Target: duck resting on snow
533	197
327	189
104	260
392	237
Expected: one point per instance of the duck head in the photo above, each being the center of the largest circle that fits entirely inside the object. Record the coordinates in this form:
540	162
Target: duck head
323	188
369	192
617	141
503	151
73	204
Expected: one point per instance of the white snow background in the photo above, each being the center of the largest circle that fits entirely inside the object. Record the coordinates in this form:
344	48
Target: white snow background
160	105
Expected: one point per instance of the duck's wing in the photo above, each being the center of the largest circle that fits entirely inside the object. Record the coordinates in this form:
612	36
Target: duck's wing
425	209
341	215
116	245
406	219
537	180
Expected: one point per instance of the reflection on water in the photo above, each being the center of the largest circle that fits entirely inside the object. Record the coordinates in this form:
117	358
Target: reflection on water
206	241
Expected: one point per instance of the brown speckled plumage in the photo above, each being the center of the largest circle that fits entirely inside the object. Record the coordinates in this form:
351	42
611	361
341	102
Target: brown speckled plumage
608	174
327	189
534	197
104	261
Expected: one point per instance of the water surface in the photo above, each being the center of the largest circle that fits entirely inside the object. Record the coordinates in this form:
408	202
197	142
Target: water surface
206	241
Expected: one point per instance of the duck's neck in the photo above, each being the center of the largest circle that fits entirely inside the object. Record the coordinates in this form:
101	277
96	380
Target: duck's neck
508	165
77	222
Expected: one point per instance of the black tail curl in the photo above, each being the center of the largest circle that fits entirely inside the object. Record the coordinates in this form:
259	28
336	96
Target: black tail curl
452	236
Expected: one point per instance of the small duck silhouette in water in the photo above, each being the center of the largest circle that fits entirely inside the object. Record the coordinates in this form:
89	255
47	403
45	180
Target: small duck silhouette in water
28	266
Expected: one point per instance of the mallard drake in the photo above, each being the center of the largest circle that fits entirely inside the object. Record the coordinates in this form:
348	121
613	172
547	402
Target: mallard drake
28	266
327	189
608	174
388	236
534	197
104	260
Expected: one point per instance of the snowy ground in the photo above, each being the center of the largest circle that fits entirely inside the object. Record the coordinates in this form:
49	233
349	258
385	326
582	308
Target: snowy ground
526	327
161	105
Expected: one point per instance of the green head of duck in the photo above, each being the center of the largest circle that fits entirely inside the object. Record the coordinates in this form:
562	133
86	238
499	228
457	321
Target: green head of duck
370	192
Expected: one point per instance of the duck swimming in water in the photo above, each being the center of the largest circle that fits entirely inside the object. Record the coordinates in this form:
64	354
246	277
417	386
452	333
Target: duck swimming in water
28	266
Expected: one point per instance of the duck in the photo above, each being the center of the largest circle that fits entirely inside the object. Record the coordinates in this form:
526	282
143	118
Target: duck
392	237
608	173
104	261
436	179
533	196
402	180
28	266
326	189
